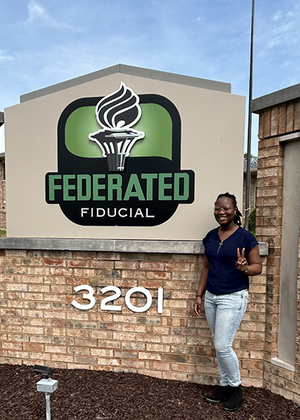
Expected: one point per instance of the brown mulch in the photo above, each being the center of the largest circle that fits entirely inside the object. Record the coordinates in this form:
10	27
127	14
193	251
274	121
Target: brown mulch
99	395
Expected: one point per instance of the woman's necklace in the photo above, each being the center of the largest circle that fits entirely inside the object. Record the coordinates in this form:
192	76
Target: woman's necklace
226	236
220	244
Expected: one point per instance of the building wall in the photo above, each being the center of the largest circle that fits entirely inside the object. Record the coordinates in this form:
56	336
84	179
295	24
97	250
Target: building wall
39	324
274	122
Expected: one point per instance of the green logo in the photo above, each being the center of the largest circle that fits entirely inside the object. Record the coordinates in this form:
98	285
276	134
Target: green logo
119	161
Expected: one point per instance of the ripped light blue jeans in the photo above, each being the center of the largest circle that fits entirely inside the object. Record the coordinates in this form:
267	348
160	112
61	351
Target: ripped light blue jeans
224	314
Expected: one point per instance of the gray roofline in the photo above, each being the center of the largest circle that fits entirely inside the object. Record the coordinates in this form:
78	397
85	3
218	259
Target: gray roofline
134	71
284	95
1	118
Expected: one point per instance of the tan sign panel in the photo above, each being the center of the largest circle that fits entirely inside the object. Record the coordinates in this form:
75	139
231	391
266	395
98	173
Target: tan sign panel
122	154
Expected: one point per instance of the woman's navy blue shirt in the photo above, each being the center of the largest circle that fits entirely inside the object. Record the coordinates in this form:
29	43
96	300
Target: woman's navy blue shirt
223	276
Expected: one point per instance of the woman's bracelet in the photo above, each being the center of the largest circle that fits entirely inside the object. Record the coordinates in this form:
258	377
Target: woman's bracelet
199	296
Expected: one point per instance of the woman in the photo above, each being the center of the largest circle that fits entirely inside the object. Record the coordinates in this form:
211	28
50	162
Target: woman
231	255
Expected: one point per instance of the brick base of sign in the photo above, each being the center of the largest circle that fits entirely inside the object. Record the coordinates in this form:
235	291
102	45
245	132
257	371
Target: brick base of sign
39	323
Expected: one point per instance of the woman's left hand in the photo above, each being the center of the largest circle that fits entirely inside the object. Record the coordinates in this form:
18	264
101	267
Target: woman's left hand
242	263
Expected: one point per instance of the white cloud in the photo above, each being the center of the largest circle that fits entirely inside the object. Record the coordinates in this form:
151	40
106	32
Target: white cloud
279	33
37	13
286	64
4	57
277	16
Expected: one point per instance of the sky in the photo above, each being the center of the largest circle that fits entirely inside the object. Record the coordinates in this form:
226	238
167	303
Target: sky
47	42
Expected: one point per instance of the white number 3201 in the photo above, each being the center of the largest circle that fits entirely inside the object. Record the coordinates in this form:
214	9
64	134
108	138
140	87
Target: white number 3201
117	293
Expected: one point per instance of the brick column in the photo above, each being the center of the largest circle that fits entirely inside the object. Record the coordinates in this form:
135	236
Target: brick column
269	214
279	118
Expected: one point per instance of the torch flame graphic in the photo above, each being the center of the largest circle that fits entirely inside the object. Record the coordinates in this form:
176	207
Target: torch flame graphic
117	113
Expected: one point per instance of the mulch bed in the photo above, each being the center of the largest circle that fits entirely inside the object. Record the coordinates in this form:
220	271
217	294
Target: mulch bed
95	395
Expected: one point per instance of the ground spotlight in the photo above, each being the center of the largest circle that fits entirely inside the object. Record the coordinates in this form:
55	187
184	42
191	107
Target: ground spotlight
46	385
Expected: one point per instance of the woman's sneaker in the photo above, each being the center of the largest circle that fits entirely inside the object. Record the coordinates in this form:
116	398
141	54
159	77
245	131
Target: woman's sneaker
221	395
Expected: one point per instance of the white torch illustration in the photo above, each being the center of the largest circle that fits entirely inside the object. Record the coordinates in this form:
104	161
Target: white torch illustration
117	113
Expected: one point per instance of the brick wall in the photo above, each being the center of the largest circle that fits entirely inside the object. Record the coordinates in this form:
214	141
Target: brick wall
39	324
274	122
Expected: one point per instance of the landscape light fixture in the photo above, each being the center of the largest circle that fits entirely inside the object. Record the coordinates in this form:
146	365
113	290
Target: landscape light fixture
46	385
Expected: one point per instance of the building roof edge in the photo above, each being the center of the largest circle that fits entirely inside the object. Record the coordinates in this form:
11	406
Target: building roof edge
272	99
135	71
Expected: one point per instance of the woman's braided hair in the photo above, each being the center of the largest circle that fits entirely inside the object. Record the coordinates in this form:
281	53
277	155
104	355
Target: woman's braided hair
238	217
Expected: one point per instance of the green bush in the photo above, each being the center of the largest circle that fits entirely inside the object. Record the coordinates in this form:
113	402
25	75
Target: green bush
252	222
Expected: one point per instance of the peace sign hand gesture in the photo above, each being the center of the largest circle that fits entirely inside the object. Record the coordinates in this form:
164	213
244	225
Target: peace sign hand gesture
242	263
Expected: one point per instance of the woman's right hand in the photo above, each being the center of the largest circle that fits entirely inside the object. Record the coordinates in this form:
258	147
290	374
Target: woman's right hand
197	305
